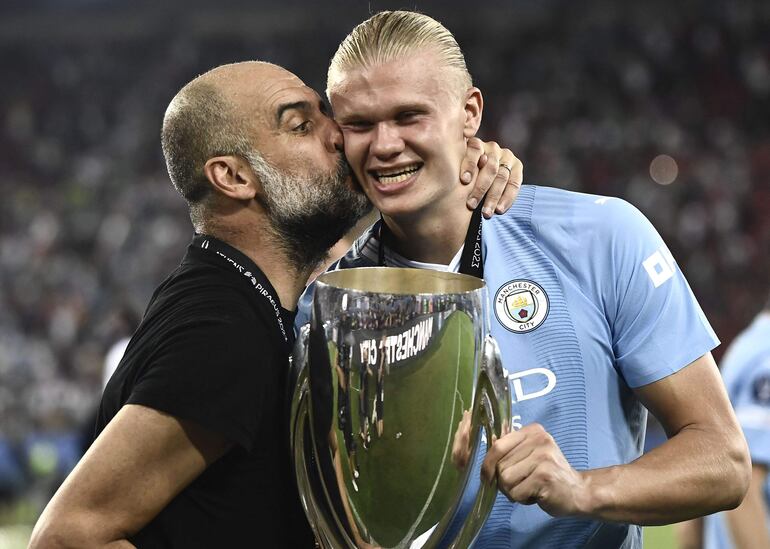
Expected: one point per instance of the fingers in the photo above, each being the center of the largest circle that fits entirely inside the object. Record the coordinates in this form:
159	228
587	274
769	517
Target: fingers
461	445
499	449
496	190
494	172
515	481
512	173
521	484
488	170
530	468
513	447
470	164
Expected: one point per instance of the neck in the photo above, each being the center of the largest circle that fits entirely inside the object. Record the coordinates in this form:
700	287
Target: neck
257	241
431	237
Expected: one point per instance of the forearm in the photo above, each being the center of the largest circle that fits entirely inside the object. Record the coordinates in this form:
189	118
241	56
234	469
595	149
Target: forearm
748	522
136	466
70	533
56	542
689	534
692	474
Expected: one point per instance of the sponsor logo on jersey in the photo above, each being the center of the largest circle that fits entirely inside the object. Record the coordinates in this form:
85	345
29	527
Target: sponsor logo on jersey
536	376
521	305
660	266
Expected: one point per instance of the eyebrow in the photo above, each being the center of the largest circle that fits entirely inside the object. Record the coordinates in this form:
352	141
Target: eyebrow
296	105
300	106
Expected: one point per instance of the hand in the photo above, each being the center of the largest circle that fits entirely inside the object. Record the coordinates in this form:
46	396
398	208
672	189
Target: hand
499	173
461	444
530	468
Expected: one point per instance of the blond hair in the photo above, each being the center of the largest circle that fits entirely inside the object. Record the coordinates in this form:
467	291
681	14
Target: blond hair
391	35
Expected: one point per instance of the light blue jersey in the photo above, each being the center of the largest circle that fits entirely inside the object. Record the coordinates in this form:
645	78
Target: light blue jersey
587	303
746	372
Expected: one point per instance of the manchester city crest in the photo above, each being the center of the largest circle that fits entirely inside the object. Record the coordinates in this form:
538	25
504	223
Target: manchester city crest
521	305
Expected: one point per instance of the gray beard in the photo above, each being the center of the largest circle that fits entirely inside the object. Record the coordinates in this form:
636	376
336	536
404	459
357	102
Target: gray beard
309	213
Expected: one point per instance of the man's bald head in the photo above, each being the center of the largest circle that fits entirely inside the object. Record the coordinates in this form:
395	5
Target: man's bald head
211	116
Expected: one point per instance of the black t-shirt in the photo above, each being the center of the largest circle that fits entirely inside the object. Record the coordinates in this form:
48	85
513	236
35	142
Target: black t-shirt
209	349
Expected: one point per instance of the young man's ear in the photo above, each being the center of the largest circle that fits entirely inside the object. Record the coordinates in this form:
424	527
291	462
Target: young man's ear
232	176
474	105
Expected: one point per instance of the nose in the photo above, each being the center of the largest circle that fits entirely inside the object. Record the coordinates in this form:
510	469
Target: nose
386	141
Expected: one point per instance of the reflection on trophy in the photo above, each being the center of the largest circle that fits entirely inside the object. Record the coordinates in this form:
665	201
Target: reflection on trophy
397	376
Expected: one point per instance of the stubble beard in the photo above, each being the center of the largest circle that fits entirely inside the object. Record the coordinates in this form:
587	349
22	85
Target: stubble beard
309	213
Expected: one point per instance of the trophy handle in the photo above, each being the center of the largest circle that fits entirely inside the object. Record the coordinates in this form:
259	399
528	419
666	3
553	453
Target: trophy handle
493	412
302	446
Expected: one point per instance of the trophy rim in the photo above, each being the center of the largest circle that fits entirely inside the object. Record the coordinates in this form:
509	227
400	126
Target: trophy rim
400	281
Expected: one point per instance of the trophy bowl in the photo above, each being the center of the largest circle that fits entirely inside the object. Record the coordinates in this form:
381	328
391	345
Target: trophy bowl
396	375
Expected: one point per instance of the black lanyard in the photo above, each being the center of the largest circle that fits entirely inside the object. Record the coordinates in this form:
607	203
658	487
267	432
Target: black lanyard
471	260
247	268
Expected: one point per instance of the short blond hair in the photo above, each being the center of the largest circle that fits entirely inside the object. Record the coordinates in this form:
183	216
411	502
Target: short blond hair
390	35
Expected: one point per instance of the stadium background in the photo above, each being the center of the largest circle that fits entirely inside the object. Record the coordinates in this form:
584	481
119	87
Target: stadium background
666	104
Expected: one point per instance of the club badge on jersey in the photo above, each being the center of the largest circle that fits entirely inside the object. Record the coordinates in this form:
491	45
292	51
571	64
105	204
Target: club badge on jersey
521	305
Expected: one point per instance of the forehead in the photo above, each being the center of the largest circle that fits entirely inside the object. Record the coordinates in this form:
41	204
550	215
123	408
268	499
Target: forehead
414	80
265	90
283	89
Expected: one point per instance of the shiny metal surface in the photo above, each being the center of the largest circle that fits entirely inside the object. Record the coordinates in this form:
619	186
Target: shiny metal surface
396	377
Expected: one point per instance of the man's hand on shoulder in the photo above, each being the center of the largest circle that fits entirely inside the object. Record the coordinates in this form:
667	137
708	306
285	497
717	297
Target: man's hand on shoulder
491	170
530	468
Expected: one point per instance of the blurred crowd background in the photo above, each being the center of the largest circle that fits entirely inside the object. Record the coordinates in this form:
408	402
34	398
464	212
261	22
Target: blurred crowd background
666	104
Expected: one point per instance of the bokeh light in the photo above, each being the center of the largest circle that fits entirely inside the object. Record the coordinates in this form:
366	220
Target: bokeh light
664	169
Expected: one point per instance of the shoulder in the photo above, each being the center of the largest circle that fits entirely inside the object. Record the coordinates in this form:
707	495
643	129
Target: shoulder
203	302
201	281
585	211
546	207
566	221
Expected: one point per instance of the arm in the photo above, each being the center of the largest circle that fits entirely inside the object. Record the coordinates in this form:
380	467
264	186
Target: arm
136	466
701	469
689	534
494	171
748	522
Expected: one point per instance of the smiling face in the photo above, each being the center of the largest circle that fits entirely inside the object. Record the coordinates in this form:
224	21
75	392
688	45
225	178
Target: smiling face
405	124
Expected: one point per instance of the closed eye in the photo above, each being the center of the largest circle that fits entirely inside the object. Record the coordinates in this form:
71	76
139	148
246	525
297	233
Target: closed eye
357	125
304	127
407	117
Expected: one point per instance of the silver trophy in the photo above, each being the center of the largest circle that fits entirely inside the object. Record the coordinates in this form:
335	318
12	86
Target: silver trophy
395	377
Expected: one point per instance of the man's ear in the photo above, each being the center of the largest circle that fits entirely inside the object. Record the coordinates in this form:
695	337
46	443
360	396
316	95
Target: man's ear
474	105
232	176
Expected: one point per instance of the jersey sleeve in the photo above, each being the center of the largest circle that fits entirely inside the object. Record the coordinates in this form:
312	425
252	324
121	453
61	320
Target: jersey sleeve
656	323
752	407
215	367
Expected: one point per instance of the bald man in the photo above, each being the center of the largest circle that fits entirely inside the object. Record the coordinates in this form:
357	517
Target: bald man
191	433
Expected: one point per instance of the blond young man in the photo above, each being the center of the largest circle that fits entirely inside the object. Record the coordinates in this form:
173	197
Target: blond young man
595	322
